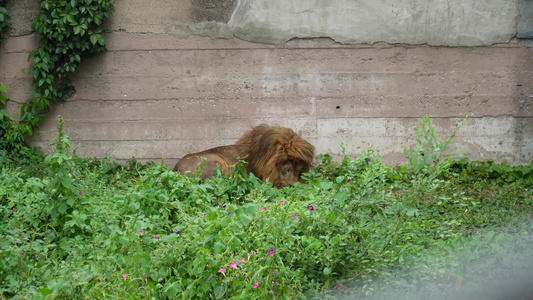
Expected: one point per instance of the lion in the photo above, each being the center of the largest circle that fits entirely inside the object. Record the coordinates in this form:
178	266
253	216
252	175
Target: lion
276	154
223	157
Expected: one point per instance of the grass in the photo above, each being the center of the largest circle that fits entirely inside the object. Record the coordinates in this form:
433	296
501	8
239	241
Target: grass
434	228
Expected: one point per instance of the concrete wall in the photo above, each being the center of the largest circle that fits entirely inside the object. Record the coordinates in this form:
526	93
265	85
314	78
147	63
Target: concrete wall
168	86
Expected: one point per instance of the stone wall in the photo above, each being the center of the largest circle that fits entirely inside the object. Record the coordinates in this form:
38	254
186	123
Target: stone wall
183	76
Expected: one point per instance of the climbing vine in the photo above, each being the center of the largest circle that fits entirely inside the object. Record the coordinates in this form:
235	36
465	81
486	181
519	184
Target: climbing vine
5	121
69	31
5	20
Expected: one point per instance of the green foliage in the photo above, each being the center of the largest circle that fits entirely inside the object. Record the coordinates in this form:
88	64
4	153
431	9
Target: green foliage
488	170
69	31
6	124
76	228
5	20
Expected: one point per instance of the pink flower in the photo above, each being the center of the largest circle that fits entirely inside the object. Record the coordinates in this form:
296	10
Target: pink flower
249	254
156	237
124	275
294	218
242	259
151	255
281	202
273	271
103	293
201	214
141	231
271	292
80	192
145	278
158	179
222	271
233	265
264	208
14	210
256	284
350	181
173	230
271	251
310	207
229	212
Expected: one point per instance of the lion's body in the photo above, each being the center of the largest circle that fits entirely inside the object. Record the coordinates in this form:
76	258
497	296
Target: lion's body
223	157
275	153
272	153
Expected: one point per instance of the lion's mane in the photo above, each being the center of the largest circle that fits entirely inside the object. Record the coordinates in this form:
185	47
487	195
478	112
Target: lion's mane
275	153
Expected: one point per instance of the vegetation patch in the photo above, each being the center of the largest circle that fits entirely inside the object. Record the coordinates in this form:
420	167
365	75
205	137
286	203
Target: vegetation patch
70	30
75	228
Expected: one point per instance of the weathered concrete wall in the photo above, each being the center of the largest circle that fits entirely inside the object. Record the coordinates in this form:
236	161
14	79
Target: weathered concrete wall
163	95
524	26
433	22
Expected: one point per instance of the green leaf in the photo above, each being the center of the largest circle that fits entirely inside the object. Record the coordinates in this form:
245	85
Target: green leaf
245	219
97	38
220	291
66	182
341	197
101	39
62	208
335	240
235	243
94	38
71	200
327	271
45	291
171	289
134	206
326	185
219	247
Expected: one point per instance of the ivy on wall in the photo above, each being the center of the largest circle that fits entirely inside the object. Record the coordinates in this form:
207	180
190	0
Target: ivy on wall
5	20
5	121
69	30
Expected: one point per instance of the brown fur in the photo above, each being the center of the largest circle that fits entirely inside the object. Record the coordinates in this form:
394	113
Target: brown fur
223	157
275	153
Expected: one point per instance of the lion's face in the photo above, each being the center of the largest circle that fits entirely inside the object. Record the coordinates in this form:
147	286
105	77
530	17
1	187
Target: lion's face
276	154
290	171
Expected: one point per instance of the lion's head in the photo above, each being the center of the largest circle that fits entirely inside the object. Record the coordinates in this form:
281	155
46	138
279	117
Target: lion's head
275	153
